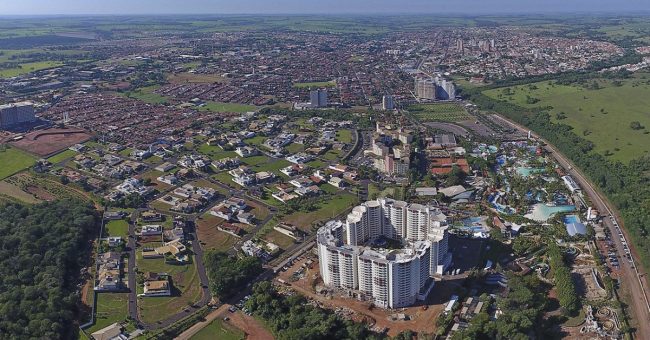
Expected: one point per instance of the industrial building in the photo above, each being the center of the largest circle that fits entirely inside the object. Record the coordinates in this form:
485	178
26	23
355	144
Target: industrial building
353	257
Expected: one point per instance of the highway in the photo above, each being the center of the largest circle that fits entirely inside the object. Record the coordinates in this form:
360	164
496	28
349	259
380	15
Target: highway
632	281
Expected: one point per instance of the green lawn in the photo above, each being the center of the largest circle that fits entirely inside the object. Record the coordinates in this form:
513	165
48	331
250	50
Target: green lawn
255	160
602	116
218	329
228	107
446	112
316	164
326	210
344	136
215	152
315	84
27	68
146	94
273	166
111	308
60	157
295	148
256	141
118	228
13	161
186	289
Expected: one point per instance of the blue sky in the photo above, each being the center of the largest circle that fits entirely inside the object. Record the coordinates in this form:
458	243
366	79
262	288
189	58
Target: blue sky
41	7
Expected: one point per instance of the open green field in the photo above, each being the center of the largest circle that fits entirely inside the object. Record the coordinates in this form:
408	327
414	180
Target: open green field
273	166
13	161
255	160
315	84
444	112
602	116
111	308
27	68
218	329
215	152
62	156
326	209
118	228
146	94
344	136
227	107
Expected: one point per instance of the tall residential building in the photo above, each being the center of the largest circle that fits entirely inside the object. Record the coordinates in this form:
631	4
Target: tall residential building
12	115
387	103
318	98
351	260
445	89
425	88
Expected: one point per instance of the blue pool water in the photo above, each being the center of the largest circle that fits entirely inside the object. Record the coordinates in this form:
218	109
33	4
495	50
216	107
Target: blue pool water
525	172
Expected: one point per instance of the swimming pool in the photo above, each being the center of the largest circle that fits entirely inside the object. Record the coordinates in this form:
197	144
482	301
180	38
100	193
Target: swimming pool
526	172
542	212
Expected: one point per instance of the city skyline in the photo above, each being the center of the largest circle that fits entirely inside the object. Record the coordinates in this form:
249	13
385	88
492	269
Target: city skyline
122	7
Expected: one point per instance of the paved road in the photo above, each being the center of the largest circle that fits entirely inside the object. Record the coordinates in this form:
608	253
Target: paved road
133	295
632	280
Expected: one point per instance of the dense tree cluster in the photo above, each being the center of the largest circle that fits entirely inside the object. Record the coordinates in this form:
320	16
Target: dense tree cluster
42	251
566	289
228	274
291	318
523	310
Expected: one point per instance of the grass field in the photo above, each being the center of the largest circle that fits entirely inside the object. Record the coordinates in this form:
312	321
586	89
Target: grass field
227	107
344	136
326	210
215	152
118	228
146	94
315	84
255	160
273	166
217	329
62	156
444	112
111	308
27	68
602	116
186	289
13	161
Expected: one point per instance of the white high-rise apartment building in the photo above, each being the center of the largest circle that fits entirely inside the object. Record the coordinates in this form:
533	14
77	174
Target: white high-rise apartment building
350	260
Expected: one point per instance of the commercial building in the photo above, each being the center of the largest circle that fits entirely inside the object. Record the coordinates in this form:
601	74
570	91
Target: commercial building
318	98
425	88
387	103
12	115
353	257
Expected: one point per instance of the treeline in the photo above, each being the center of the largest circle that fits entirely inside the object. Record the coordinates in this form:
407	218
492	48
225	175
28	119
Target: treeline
566	289
291	318
626	186
228	274
360	121
42	251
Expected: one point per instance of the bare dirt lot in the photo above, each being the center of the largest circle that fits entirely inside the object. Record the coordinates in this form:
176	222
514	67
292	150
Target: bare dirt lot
421	318
47	142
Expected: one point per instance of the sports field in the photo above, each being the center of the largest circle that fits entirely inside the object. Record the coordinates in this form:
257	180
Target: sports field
443	112
602	114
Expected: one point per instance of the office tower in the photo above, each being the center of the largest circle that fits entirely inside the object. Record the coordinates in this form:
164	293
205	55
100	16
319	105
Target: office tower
12	115
387	103
318	98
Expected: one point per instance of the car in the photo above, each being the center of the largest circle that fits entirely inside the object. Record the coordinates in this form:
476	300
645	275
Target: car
226	319
232	309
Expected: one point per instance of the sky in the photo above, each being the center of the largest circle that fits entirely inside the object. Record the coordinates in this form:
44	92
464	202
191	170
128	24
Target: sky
54	7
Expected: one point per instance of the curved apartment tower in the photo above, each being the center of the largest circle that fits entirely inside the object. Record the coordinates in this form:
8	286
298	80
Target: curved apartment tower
391	278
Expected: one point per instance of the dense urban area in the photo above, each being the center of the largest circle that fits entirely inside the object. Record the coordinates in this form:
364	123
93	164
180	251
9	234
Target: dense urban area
301	177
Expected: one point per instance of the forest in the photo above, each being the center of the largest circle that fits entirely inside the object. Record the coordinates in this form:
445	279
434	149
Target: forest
43	249
291	318
228	274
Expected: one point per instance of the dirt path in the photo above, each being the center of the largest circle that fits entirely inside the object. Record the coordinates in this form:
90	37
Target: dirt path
200	325
252	327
